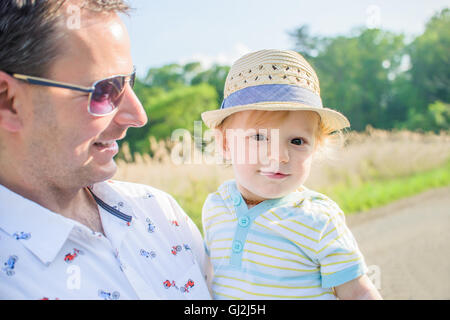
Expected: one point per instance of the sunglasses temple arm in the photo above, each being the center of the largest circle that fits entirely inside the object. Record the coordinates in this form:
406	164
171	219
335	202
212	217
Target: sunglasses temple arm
37	81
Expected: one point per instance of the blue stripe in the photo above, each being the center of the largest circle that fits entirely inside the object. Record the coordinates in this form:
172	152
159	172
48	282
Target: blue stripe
110	209
343	276
272	93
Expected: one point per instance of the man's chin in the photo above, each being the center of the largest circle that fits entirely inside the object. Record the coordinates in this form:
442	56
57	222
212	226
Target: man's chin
103	172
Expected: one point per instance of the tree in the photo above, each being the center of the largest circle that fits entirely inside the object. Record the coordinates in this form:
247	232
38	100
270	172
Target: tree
430	60
356	74
214	76
172	110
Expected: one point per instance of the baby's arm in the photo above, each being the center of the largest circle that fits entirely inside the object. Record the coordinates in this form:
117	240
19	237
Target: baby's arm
360	288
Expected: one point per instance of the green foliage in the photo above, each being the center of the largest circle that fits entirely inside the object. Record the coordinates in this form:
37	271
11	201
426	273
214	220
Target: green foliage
364	74
372	76
430	61
435	118
171	110
215	76
356	74
375	193
180	108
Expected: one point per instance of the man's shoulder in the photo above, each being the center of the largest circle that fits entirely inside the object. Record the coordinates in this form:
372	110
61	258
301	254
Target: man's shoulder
136	190
142	199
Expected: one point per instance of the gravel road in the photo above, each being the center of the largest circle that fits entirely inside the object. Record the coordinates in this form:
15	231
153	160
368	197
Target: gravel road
406	245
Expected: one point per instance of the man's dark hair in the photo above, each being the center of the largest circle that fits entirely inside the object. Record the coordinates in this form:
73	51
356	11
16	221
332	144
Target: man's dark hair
30	32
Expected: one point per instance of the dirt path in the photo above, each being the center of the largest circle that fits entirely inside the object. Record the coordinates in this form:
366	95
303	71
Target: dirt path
408	243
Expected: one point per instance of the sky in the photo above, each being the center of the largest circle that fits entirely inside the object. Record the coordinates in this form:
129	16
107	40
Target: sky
213	31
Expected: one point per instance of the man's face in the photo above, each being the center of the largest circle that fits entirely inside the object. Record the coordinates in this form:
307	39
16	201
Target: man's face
62	142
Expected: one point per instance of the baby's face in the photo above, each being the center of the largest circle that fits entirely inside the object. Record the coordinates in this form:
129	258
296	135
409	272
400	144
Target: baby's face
272	159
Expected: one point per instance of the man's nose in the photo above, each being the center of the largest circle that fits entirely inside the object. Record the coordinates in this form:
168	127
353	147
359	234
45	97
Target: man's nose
130	111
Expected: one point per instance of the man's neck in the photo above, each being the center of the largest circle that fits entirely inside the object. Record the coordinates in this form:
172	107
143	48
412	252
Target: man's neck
74	203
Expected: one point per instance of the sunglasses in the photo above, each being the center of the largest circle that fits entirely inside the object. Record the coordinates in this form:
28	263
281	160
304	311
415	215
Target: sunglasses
104	94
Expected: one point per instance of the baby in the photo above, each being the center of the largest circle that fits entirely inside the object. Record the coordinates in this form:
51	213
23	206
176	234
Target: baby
267	235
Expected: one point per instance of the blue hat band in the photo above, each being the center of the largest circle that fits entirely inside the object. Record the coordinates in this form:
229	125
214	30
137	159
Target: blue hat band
272	93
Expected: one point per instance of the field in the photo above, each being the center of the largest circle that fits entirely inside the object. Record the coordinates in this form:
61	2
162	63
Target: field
373	168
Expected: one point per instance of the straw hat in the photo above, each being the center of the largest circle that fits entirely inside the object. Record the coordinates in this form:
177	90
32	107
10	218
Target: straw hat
273	80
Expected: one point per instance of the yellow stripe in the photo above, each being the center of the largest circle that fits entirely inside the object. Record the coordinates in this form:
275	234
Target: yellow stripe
279	258
306	226
326	234
340	254
218	240
268	255
279	249
220	222
220	206
293	231
227	248
271	295
331	242
267	285
272	212
226	257
226	296
298	205
297	243
278	267
217	215
338	225
339	262
295	221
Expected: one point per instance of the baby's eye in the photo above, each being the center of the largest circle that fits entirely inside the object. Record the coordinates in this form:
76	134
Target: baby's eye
298	141
259	137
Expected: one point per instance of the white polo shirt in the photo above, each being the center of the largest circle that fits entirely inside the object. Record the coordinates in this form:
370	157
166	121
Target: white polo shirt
152	249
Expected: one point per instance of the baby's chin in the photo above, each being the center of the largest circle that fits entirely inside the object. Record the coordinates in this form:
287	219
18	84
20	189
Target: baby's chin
271	194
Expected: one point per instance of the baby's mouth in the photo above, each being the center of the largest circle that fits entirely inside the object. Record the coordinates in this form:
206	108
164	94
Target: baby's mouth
274	174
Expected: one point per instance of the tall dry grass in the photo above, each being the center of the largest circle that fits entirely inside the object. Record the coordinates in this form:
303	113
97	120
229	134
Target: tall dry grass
370	155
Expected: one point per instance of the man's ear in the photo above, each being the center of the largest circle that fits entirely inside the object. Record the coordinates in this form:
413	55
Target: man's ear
10	119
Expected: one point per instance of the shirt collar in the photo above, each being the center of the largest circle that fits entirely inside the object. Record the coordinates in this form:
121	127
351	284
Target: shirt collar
233	199
117	214
108	196
40	230
43	231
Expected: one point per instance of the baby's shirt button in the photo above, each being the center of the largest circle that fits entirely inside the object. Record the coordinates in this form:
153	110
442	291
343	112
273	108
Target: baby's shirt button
237	246
236	200
244	221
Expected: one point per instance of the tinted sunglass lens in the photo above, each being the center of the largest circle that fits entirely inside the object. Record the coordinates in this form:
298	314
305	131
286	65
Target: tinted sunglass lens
132	79
105	95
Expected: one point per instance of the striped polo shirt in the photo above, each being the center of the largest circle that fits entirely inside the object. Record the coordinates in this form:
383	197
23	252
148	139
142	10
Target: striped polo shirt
295	247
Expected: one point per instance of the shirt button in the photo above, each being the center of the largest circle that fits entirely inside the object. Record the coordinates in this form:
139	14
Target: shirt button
237	246
236	200
244	221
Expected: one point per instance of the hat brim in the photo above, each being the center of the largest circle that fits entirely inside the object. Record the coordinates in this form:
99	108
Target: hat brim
331	118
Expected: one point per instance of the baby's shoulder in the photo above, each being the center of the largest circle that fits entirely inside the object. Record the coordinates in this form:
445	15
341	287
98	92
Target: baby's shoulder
221	198
311	208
